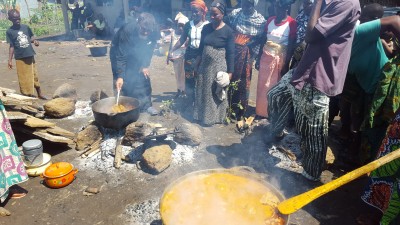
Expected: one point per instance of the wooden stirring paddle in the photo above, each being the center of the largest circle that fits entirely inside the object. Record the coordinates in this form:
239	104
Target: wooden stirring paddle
295	203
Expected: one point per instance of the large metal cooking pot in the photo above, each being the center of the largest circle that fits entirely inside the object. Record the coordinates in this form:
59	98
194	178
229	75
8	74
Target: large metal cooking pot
176	214
103	115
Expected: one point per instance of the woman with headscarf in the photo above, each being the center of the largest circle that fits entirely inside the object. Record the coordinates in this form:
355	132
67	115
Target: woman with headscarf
192	33
217	49
273	62
131	52
248	25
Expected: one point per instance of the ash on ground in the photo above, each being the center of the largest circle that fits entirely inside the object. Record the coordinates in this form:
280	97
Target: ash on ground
290	142
104	160
82	110
143	213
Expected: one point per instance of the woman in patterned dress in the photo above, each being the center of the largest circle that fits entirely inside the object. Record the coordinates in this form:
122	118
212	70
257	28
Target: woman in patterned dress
383	189
12	170
217	48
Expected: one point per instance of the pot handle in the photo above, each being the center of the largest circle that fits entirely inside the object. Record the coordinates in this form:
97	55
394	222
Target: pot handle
75	171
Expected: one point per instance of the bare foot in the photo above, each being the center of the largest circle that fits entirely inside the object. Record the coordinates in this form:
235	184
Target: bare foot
4	212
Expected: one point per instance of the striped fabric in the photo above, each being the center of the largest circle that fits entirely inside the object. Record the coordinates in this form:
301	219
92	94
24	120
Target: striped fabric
280	104
252	25
311	109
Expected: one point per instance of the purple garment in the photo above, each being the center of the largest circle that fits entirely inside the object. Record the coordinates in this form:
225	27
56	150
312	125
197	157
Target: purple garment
324	63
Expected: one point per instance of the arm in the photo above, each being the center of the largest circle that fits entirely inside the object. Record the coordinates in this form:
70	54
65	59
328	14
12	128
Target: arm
230	53
183	37
121	56
147	55
313	34
10	56
33	39
290	47
201	47
387	48
391	23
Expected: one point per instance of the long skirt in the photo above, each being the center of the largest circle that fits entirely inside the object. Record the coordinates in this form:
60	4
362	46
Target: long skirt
243	69
12	170
383	190
179	73
190	59
208	109
27	75
270	69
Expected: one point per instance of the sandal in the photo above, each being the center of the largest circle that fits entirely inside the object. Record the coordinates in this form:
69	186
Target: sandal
17	192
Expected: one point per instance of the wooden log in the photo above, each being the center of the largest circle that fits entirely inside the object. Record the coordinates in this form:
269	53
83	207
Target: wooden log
93	152
8	101
118	154
95	145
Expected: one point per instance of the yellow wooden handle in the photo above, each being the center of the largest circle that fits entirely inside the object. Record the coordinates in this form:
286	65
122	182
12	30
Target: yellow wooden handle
295	203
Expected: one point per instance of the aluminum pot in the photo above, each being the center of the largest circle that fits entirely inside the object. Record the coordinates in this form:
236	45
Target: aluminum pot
247	175
59	174
103	115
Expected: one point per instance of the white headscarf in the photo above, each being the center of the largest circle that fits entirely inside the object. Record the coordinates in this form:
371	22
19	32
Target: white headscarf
180	18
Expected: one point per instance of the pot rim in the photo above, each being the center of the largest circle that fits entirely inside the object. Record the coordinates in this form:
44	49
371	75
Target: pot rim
51	177
235	171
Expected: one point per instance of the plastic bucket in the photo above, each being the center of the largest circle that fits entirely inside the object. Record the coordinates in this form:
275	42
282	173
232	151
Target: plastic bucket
33	152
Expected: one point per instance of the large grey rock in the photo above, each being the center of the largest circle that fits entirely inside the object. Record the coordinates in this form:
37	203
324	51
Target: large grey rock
189	134
59	107
136	132
158	158
87	137
97	95
66	91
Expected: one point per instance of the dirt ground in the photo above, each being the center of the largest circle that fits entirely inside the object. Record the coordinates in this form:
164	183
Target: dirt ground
130	195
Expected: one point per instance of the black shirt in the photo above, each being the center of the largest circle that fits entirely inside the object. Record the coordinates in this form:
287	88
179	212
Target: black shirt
20	38
222	38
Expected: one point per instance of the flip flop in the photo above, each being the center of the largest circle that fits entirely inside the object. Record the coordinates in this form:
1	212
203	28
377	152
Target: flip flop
4	212
17	192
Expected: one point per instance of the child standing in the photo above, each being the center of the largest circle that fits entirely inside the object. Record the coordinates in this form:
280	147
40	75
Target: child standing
177	57
20	37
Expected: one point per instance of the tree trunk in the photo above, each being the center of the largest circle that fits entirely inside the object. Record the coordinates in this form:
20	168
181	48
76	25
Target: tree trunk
27	7
65	15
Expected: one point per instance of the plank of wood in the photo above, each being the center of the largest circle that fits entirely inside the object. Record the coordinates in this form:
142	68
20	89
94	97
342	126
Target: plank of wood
20	97
53	138
30	110
8	101
42	134
7	90
61	132
118	154
15	115
38	123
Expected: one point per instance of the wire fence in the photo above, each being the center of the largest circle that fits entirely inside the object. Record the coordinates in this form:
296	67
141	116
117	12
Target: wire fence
46	20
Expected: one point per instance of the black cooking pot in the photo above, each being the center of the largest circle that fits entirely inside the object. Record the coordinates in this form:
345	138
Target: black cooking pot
103	115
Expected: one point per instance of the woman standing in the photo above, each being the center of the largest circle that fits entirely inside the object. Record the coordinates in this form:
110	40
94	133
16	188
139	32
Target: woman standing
248	25
280	34
217	48
12	171
192	33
